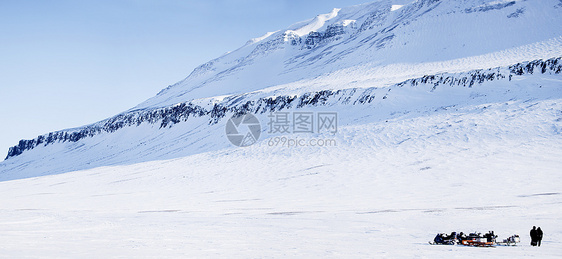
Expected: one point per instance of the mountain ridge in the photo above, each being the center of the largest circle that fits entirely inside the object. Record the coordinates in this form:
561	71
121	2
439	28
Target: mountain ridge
216	109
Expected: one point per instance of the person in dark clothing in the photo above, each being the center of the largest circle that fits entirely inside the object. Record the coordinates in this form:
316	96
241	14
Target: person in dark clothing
539	236
490	236
438	239
452	236
461	236
534	236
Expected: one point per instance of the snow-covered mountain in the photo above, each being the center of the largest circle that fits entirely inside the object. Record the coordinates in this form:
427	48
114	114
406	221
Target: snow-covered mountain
197	126
449	117
358	47
365	48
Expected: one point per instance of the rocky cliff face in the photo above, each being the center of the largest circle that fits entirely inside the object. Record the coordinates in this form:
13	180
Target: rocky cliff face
253	103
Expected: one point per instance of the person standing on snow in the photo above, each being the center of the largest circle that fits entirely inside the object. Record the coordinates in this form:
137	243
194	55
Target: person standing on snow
539	236
534	236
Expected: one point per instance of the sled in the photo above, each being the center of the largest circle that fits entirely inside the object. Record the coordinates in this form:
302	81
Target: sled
480	242
510	241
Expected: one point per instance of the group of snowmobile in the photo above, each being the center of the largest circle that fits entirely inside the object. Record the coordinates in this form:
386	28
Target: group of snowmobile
474	239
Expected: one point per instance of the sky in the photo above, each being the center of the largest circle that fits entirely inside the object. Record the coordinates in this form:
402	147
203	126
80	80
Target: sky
67	63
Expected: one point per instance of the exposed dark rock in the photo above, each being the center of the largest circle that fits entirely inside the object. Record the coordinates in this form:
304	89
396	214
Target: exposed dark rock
169	116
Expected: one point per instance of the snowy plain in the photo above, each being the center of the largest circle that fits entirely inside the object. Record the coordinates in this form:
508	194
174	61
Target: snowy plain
416	161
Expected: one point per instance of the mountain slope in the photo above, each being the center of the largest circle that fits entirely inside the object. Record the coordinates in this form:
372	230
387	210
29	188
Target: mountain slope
368	40
198	126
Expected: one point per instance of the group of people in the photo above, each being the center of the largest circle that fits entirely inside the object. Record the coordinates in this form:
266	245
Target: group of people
536	236
490	237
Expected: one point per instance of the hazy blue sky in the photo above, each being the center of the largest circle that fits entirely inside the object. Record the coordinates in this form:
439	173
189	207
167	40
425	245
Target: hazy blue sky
67	63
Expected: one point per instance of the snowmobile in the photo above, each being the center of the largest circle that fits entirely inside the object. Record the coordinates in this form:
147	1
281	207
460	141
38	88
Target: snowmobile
510	241
444	239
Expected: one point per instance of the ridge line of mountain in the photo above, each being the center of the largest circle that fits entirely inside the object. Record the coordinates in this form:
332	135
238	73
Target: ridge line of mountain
252	103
